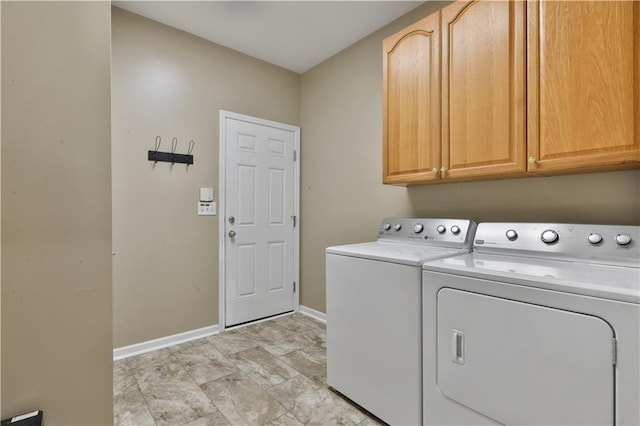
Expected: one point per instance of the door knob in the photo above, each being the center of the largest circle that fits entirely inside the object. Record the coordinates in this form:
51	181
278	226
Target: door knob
232	233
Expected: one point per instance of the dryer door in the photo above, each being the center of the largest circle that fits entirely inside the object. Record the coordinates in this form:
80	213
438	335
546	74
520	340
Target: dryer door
519	363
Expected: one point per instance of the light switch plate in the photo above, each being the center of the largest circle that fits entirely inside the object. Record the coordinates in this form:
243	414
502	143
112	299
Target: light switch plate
206	209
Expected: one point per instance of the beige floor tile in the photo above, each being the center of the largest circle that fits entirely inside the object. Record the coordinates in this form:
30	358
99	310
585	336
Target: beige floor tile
242	401
176	402
128	396
264	368
205	363
285	420
213	419
310	361
313	404
275	339
230	342
139	416
272	373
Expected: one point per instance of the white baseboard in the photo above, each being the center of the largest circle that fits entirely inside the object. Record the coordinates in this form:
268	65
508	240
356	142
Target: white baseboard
320	316
163	342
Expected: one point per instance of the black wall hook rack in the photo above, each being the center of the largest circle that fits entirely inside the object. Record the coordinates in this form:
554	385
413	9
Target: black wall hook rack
168	157
171	157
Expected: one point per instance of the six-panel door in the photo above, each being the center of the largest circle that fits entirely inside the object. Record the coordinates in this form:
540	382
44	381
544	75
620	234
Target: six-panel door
259	224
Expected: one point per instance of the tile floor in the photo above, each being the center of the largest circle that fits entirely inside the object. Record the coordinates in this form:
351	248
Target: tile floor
269	373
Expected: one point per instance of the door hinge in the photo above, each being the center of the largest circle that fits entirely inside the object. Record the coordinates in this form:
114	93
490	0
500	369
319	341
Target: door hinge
614	351
295	155
295	219
294	286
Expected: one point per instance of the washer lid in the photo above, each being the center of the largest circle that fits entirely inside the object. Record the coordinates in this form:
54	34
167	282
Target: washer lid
406	254
609	282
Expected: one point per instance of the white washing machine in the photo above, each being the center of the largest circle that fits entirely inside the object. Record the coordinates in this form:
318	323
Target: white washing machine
374	313
539	325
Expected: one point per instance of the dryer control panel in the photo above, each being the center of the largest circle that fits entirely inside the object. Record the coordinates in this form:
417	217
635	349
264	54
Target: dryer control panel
440	232
610	244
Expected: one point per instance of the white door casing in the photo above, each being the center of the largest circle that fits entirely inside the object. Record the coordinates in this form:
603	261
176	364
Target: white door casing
259	202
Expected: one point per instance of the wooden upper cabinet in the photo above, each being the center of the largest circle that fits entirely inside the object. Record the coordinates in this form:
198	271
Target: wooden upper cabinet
583	85
483	89
411	103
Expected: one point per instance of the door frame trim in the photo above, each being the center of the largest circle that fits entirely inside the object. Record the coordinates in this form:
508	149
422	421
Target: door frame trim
222	207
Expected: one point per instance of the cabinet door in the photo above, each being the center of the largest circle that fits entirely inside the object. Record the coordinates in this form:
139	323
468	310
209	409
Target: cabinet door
483	89
583	88
411	103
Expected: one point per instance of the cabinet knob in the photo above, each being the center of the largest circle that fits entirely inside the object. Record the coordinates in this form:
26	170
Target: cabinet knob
435	170
532	160
443	169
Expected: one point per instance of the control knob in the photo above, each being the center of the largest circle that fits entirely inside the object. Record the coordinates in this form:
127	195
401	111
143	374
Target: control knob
397	227
455	229
511	234
549	236
594	239
418	227
386	226
623	239
441	229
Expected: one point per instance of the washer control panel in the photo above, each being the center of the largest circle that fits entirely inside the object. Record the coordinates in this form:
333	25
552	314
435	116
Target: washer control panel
445	232
610	243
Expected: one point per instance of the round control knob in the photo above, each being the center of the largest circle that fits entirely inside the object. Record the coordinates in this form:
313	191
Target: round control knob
418	227
512	235
549	236
386	226
594	238
623	239
441	229
397	227
455	229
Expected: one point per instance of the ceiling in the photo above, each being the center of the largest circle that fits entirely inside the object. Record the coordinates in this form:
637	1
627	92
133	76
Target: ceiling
295	35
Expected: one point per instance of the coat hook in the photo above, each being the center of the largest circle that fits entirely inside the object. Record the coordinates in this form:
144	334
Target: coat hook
157	148
190	150
174	145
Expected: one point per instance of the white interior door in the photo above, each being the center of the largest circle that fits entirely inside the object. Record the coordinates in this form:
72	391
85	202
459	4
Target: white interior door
259	215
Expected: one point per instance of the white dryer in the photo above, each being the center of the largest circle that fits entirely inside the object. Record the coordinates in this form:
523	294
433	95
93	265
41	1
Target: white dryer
539	325
374	313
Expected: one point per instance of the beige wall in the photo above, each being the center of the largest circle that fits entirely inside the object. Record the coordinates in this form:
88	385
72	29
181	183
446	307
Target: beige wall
169	83
342	196
56	211
343	199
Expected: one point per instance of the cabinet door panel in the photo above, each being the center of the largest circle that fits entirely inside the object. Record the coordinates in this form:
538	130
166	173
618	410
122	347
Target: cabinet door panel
583	85
411	94
483	92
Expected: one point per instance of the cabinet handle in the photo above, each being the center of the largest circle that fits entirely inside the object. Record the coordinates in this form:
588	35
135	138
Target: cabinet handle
532	160
435	170
443	169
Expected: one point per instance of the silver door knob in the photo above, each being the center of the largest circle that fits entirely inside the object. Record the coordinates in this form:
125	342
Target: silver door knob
231	233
